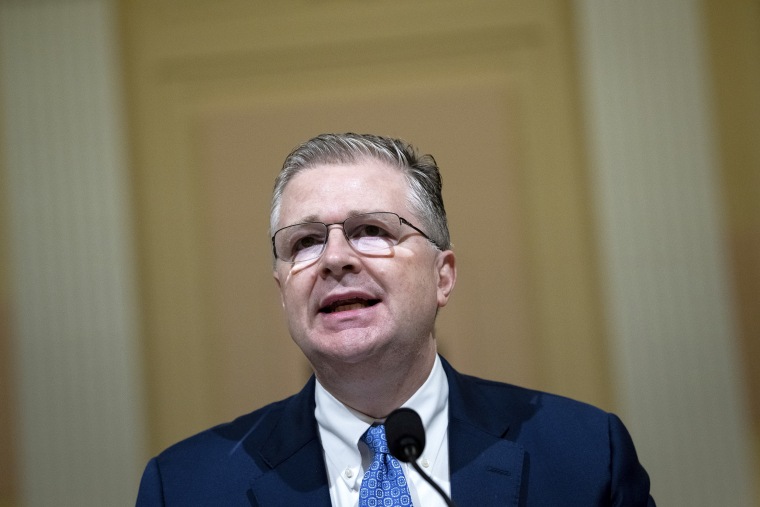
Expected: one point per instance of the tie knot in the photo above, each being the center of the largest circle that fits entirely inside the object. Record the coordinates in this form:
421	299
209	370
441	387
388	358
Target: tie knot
376	440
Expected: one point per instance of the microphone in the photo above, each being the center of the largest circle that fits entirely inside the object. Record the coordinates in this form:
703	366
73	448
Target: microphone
406	441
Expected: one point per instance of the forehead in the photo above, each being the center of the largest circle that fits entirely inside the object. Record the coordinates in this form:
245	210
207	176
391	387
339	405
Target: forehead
331	192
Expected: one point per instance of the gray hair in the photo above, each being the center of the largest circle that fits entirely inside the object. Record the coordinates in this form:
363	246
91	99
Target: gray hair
421	173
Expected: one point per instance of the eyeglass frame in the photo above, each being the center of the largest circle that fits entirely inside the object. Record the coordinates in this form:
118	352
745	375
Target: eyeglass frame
402	221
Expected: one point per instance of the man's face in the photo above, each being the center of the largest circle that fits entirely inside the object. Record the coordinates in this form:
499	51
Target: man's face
345	307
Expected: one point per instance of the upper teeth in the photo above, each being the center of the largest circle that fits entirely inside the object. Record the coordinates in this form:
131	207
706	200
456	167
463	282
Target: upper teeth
347	306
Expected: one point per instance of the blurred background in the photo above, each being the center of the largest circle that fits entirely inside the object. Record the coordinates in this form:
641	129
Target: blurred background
601	168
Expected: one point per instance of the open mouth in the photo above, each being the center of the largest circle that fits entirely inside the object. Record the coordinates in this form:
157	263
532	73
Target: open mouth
345	305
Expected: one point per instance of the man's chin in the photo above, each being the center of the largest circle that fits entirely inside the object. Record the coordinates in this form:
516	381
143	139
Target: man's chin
351	347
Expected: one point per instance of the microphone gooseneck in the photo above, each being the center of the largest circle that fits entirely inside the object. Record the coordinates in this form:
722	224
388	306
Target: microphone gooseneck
406	441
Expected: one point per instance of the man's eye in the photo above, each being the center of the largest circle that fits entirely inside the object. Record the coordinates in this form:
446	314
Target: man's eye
306	242
371	231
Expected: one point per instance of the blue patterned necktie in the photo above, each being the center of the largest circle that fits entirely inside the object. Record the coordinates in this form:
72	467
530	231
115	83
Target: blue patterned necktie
384	484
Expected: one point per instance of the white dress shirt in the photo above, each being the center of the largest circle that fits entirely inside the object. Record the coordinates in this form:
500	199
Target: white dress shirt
346	458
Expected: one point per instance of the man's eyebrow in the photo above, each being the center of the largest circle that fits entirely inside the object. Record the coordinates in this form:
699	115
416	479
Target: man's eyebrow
308	218
351	213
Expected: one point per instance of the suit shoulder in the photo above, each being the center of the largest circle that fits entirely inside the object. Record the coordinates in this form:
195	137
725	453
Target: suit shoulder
526	403
214	466
227	438
591	446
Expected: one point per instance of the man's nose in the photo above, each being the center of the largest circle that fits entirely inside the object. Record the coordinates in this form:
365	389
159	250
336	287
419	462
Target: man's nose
339	255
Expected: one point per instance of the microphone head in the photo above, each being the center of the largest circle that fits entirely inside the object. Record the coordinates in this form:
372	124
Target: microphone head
405	433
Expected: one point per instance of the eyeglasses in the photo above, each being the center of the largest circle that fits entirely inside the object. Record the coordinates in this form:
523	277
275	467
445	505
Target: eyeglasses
366	233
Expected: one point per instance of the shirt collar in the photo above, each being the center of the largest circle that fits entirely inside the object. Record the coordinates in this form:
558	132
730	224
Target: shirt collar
341	427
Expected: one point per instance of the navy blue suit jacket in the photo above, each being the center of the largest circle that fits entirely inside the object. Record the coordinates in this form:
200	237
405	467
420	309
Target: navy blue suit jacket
508	446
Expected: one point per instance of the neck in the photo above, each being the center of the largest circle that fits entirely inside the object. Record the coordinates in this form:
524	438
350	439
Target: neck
377	388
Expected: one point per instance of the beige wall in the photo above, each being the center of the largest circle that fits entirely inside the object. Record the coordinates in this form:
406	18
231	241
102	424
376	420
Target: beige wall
8	428
666	266
218	92
733	28
220	95
70	380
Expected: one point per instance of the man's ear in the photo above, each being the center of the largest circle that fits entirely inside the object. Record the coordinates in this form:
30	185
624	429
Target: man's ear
446	268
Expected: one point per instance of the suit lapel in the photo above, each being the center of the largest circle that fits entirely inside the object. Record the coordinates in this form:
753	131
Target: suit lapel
293	452
486	468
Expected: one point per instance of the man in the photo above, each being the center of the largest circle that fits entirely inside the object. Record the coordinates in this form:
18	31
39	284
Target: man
363	262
